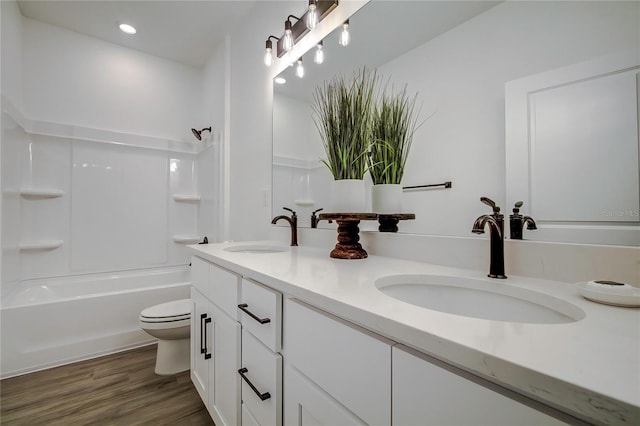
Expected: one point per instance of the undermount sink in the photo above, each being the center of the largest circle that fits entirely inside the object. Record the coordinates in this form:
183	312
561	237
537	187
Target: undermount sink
256	248
478	298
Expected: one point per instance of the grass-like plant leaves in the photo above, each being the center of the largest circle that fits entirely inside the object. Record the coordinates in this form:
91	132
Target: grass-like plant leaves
342	114
394	121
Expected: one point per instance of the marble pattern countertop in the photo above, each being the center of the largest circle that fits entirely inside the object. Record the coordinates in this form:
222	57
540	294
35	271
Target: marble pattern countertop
590	368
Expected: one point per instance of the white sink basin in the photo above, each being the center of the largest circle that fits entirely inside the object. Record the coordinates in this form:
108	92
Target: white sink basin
477	298
256	248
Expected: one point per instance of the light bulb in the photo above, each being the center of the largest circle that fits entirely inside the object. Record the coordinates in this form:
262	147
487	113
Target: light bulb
299	69
344	35
268	57
312	15
287	42
318	57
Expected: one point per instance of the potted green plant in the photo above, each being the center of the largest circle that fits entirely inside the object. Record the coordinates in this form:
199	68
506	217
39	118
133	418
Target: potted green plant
342	114
394	122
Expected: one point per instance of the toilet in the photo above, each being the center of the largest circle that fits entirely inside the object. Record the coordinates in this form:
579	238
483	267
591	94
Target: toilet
170	323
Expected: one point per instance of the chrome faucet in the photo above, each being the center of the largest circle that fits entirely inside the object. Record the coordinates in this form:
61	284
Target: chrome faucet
293	223
496	232
517	222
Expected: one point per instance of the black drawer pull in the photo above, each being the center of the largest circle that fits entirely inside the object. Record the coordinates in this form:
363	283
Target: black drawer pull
207	355
244	309
203	345
262	396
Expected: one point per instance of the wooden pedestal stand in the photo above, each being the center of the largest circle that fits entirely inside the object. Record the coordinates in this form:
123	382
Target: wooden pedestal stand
348	246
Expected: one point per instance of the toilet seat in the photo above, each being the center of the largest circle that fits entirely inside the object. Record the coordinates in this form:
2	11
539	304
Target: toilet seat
175	311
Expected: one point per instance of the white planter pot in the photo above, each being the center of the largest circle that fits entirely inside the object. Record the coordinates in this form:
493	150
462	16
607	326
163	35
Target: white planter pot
386	198
347	196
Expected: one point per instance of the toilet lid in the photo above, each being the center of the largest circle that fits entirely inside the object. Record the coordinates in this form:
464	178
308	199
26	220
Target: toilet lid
170	311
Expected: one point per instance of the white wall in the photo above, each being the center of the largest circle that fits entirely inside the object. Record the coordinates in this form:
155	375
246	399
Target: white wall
211	167
250	125
460	76
297	136
11	91
11	42
74	79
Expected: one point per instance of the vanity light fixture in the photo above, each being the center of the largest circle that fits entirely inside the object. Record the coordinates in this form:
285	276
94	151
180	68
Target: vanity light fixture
127	29
268	55
318	56
299	69
295	31
312	15
345	37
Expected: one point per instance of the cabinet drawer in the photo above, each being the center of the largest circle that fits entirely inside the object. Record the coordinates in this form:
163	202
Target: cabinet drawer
458	399
349	363
200	276
262	369
224	290
261	313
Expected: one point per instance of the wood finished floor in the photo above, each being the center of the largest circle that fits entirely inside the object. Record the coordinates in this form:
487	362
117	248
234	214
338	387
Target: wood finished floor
119	389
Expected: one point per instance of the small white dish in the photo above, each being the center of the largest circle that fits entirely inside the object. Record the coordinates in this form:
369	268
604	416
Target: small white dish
616	295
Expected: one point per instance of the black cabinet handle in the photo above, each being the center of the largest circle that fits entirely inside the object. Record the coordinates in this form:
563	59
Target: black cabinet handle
204	330
262	396
203	348
244	309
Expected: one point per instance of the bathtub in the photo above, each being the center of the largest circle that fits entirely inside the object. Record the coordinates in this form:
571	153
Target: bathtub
50	322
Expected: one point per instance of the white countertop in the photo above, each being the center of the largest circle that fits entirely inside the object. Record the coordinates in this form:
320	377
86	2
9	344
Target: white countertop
590	367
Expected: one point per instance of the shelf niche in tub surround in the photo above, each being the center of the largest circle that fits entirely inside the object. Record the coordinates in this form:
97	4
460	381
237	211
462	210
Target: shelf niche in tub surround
37	245
187	239
569	377
41	193
62	130
187	198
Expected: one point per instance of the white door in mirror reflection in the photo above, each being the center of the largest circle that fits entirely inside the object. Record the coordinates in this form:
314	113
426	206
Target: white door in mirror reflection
573	149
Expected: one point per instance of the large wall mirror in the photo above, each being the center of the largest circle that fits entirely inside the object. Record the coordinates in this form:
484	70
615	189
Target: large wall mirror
459	57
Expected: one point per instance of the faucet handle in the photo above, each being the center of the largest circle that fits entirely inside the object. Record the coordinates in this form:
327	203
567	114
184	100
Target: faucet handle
516	207
288	209
491	204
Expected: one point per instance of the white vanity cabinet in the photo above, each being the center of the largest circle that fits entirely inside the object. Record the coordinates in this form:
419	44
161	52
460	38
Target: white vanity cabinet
215	340
337	373
429	392
261	357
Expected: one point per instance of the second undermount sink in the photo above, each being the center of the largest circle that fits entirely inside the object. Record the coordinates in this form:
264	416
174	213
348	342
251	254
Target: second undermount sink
478	298
256	248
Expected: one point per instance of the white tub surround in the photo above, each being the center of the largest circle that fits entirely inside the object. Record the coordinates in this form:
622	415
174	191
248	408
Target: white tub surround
588	368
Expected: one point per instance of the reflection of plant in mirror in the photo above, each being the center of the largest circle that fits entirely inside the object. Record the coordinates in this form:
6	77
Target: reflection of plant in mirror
342	114
394	121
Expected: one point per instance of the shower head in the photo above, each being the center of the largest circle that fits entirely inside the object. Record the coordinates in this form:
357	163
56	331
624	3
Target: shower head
198	133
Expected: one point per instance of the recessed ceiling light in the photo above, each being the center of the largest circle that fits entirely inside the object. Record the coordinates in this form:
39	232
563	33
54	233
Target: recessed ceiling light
126	28
280	80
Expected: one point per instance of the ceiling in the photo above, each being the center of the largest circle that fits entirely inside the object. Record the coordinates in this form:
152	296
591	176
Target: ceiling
181	30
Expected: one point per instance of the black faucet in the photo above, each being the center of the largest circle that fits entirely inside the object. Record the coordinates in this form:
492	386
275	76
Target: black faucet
496	232
315	220
517	222
293	223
